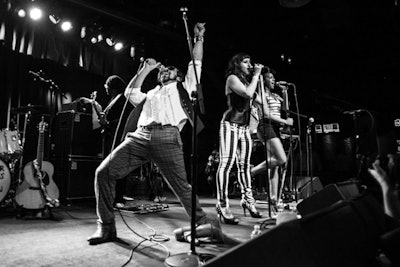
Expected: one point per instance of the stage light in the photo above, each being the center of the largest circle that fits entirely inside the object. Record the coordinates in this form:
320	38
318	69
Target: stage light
66	26
35	13
54	18
132	51
83	32
93	40
99	37
110	41
118	46
21	13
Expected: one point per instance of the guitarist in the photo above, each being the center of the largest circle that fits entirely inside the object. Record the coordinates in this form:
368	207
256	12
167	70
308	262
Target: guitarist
269	130
110	117
115	87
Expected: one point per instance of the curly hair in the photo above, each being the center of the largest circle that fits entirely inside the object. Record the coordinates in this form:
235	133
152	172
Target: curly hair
234	67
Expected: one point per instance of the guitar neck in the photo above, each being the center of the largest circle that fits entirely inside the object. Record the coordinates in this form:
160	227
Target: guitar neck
40	149
93	97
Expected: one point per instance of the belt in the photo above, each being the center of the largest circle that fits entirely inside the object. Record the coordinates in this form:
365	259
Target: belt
156	126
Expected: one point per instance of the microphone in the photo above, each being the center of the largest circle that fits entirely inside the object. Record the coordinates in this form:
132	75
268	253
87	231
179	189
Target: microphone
310	121
282	83
263	68
352	112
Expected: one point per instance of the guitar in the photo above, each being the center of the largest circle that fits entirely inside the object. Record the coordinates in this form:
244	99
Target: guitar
38	188
100	115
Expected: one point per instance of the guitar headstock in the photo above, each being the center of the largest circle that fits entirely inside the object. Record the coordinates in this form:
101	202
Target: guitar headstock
42	126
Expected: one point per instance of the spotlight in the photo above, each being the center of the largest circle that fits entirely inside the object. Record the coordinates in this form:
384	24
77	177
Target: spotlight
132	51
118	46
21	13
83	32
99	37
66	26
93	40
110	41
54	18
35	13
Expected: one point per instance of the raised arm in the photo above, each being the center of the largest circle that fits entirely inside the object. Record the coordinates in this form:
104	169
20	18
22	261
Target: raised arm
199	30
132	91
234	83
190	79
390	195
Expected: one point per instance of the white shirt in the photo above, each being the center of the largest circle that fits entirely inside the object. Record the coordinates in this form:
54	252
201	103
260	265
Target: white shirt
163	104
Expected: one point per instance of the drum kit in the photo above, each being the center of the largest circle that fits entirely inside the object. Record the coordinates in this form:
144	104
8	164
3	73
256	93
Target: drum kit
11	152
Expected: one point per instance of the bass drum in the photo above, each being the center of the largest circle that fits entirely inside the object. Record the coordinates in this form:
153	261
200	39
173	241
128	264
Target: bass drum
10	144
5	180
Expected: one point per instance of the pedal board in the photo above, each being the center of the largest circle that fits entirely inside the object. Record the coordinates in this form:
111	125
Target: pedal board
145	208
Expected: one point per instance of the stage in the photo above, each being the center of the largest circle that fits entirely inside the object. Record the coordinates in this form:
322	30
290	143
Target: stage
62	242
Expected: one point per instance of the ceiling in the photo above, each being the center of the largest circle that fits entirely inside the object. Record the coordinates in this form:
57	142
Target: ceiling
345	53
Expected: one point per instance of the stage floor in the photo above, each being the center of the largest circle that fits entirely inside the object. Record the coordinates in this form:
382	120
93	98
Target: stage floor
62	242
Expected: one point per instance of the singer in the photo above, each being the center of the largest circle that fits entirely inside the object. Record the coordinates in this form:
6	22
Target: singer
269	131
235	142
153	134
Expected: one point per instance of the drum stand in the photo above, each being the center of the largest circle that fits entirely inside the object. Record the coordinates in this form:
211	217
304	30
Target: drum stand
21	160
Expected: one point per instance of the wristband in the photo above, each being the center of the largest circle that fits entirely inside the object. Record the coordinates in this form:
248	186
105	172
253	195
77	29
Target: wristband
199	38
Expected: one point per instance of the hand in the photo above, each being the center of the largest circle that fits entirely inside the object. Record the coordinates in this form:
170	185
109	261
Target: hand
199	29
151	64
289	121
257	69
102	119
379	174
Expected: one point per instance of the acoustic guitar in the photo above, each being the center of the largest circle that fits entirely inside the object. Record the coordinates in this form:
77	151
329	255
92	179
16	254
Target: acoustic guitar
38	188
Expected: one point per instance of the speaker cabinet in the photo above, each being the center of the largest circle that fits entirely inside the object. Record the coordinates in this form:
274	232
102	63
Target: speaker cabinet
306	186
340	235
74	176
74	135
328	196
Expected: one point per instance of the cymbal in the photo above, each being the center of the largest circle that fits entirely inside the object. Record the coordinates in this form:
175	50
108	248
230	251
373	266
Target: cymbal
29	108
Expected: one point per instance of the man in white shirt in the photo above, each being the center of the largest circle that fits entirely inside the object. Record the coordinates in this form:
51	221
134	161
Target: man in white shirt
160	113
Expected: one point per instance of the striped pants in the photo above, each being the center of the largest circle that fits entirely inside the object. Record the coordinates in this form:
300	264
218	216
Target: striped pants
162	145
235	145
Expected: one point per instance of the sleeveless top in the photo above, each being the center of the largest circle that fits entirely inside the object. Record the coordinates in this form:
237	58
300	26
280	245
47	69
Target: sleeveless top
239	110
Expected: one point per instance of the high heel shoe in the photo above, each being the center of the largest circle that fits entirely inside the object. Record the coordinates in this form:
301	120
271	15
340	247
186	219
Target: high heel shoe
250	207
226	213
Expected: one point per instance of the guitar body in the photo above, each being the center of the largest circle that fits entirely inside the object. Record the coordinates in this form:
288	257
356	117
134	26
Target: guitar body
38	188
29	194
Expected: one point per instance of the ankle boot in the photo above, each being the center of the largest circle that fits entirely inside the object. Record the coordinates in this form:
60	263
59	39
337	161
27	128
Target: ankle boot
104	233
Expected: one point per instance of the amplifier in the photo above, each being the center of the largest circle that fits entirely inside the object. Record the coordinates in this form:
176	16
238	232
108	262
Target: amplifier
74	176
73	134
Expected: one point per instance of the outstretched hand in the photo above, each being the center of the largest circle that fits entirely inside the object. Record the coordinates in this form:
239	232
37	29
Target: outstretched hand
379	174
199	29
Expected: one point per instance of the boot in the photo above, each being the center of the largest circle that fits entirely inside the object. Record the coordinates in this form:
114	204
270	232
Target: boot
105	233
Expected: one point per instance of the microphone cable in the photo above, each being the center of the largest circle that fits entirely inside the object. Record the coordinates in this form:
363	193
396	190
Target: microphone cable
300	149
118	127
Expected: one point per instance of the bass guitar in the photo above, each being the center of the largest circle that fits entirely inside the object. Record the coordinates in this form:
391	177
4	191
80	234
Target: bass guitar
38	188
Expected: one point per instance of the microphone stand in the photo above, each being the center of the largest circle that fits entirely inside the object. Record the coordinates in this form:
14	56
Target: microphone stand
270	220
309	156
191	258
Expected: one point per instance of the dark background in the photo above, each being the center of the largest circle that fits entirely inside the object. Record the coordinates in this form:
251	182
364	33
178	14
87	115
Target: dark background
341	55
